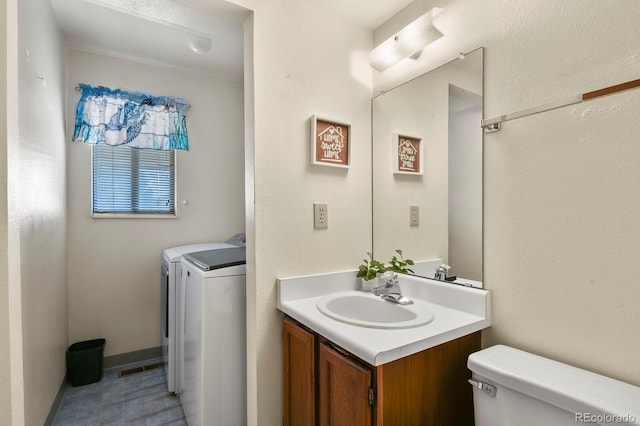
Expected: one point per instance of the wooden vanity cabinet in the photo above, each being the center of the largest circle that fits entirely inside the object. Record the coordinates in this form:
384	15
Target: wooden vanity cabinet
299	383
345	389
326	385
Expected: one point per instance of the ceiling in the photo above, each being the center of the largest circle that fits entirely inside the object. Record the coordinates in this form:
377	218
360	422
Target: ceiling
369	14
157	31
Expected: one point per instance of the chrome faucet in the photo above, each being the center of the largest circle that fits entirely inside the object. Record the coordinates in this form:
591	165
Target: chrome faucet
391	289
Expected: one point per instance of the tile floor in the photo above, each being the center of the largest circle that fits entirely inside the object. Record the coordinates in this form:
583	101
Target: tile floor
137	399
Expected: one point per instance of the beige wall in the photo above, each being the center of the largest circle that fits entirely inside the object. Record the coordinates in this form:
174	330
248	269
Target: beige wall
561	228
5	330
114	264
39	207
306	61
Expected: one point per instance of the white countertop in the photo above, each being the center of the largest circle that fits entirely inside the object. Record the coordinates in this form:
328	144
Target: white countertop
457	310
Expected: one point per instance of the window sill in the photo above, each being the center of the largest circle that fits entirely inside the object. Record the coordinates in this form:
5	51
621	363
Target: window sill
132	216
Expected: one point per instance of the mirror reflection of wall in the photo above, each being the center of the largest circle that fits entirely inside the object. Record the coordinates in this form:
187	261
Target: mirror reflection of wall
443	108
465	183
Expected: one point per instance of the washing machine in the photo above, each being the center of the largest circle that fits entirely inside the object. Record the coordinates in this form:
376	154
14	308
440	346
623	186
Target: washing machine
171	302
214	339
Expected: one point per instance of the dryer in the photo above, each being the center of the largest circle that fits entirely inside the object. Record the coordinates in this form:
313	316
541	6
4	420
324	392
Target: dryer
214	339
171	301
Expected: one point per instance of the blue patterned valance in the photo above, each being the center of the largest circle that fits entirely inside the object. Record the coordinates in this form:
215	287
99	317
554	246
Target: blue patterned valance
138	120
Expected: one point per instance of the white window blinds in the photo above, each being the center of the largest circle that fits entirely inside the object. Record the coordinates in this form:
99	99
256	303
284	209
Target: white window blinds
133	181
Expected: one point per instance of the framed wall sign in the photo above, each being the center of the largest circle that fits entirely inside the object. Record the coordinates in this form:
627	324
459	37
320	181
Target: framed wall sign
408	155
330	142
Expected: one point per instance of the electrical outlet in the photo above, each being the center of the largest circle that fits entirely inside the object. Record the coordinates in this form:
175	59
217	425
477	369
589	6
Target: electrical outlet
320	215
414	215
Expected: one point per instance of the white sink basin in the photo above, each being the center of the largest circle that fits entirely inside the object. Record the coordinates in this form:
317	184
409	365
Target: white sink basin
367	310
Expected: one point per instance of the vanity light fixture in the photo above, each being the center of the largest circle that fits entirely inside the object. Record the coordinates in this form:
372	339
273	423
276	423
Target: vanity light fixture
408	42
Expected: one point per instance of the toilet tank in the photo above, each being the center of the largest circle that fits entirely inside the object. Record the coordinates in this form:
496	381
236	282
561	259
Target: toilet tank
532	391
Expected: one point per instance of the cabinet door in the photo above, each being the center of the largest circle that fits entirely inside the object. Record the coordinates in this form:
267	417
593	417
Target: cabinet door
428	388
299	375
343	391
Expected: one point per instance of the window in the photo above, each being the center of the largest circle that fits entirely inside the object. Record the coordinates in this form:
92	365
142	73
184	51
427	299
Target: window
133	181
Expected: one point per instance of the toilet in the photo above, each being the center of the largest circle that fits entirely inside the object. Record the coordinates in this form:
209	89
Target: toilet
513	387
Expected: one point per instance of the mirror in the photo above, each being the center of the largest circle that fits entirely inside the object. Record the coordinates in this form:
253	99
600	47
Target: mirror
427	153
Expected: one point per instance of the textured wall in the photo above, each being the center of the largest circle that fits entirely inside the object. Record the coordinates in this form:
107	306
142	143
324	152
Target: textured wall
6	45
561	229
306	61
40	206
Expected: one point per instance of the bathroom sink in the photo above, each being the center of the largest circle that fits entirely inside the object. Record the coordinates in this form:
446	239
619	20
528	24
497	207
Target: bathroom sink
367	310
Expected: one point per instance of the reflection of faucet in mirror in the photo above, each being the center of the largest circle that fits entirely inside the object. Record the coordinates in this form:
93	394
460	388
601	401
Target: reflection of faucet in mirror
442	272
436	213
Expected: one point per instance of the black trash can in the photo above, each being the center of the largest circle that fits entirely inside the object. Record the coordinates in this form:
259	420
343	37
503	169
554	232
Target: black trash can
84	362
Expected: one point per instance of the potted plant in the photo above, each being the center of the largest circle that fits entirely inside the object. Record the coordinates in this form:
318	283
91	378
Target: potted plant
372	268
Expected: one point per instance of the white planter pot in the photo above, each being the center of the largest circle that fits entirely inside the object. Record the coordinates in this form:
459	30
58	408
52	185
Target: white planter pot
372	284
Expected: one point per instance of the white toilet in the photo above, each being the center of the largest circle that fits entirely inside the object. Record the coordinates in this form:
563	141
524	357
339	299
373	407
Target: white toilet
513	387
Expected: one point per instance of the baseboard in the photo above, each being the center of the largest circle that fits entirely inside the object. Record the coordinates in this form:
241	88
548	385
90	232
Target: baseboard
114	361
56	403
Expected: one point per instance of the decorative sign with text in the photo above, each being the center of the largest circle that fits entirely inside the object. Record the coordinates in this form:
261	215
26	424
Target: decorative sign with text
408	156
330	142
